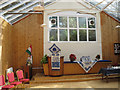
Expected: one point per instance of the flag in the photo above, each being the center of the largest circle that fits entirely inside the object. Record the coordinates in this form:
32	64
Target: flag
29	50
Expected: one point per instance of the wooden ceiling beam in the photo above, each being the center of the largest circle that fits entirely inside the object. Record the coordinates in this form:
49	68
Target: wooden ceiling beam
89	4
25	13
83	5
97	4
81	12
108	4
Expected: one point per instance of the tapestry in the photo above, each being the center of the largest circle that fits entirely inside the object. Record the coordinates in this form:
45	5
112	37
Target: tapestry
86	63
55	61
55	58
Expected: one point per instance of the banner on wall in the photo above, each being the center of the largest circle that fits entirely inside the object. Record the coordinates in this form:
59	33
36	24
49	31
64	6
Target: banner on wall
55	58
117	48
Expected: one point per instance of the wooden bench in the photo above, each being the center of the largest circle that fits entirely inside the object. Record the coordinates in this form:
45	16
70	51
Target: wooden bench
109	71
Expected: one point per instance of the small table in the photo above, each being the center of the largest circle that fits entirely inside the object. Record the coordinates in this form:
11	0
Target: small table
109	71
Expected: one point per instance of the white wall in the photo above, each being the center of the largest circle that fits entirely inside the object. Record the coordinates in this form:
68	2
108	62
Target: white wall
78	48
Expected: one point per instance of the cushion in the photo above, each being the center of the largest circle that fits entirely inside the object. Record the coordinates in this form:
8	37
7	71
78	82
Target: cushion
7	86
15	83
24	80
2	82
11	77
20	74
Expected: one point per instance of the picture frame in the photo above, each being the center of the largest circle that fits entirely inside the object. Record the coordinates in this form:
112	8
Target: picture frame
117	48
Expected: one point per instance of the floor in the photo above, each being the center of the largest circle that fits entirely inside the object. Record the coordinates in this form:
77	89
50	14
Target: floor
112	84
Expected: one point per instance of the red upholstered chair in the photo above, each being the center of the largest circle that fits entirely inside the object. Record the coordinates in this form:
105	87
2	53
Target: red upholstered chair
21	77
11	79
2	83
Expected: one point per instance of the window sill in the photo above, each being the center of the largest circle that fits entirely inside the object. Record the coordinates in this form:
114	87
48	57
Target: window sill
73	42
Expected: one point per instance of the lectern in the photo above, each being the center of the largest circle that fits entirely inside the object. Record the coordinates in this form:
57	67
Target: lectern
56	72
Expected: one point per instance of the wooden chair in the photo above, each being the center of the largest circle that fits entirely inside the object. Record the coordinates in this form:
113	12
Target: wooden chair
20	76
2	83
11	79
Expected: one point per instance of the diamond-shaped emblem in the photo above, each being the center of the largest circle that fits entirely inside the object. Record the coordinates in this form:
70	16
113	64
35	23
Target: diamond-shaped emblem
86	63
54	49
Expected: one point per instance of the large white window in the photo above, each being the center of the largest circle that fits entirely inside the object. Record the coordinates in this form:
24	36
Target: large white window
72	28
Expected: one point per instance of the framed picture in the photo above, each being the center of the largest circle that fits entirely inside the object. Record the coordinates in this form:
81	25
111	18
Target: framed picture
117	48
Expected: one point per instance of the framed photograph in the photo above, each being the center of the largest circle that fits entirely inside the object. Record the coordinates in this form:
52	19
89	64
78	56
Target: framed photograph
117	48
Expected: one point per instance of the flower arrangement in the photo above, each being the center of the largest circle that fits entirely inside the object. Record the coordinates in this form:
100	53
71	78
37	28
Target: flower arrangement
72	57
98	57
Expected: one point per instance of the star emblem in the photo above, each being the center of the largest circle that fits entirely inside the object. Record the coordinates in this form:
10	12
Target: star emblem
54	49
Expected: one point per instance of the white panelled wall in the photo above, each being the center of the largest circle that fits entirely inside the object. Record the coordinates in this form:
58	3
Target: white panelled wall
77	47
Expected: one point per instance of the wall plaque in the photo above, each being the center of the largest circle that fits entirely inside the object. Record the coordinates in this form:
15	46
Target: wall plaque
117	48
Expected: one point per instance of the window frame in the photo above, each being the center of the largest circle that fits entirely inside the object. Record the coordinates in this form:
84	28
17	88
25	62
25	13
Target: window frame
68	28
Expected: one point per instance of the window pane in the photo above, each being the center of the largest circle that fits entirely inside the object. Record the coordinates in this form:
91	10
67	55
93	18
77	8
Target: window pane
63	35
82	22
62	21
53	21
72	22
73	34
53	35
83	35
92	35
91	22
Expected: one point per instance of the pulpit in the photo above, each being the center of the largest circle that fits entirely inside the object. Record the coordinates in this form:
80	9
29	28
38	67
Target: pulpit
56	72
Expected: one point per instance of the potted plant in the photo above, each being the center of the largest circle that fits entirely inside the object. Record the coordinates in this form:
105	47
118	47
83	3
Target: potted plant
44	62
72	57
97	57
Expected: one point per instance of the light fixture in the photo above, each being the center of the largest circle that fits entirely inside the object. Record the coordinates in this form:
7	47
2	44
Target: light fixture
38	8
118	26
43	25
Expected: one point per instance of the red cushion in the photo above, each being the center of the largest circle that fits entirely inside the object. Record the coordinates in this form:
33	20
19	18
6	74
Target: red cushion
2	81
24	80
7	86
15	83
20	74
11	77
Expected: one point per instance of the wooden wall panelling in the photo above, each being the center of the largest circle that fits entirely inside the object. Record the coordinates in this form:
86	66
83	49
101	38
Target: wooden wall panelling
6	46
17	39
115	39
119	41
30	33
109	36
1	20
